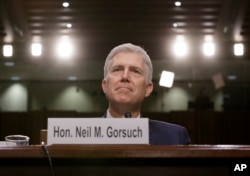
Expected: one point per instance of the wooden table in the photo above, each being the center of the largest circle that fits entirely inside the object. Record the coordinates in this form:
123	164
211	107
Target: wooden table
121	160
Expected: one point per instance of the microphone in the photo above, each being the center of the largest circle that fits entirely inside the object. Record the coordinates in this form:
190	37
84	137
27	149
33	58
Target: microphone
49	157
128	114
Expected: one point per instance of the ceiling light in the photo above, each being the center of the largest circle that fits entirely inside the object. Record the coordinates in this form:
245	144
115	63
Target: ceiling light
175	25
36	49
72	78
167	79
69	25
231	77
9	64
208	38
15	78
180	47
65	4
208	48
177	3
238	49
208	45
7	50
64	48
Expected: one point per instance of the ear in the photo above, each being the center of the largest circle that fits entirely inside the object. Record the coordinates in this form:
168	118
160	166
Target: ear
104	86
149	89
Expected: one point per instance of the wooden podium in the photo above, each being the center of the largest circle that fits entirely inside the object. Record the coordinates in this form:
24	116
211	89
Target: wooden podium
124	160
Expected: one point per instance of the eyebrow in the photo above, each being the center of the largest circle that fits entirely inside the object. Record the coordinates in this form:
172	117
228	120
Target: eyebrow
137	68
121	66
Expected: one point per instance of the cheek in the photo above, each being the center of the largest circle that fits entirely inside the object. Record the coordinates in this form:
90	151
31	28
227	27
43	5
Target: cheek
113	81
140	88
109	85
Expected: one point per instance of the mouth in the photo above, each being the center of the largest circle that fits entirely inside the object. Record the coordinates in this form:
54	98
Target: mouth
124	89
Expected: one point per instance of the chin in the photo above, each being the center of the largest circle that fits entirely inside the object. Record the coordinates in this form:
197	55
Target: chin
124	101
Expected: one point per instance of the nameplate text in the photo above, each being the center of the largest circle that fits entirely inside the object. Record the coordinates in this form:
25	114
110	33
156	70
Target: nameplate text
98	131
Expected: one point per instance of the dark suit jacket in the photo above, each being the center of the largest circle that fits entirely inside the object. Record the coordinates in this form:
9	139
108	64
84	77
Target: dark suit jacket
163	133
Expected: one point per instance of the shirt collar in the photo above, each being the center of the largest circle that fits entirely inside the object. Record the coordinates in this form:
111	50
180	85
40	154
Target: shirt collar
110	116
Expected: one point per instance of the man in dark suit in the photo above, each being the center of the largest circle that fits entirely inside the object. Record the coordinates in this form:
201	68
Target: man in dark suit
127	81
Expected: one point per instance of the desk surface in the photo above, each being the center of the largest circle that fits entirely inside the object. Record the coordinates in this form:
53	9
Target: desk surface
128	151
123	160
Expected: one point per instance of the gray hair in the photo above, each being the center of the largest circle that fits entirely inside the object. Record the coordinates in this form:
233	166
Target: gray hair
128	47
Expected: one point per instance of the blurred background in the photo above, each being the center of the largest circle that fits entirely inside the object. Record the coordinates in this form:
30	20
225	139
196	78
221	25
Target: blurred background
53	52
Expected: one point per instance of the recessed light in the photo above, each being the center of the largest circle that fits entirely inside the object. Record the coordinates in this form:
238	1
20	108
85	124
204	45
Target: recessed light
175	25
167	79
7	50
177	3
72	78
36	49
9	64
69	25
15	78
232	77
65	4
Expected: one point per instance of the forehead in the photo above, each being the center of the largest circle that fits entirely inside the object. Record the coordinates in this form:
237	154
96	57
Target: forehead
127	58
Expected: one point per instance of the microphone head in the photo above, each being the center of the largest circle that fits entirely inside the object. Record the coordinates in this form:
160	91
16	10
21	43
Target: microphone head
128	114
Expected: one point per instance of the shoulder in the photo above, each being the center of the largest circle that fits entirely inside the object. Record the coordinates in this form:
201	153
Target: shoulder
167	133
165	125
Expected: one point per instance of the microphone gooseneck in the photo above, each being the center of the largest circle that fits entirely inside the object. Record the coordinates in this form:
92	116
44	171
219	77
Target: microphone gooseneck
49	158
127	114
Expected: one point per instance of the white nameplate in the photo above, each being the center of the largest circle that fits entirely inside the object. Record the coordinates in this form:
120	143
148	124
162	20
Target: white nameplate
98	131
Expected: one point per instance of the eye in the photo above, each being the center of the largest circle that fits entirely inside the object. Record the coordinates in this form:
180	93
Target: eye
115	69
137	71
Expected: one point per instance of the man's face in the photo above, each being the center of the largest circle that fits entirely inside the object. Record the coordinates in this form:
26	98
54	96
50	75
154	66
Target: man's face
126	80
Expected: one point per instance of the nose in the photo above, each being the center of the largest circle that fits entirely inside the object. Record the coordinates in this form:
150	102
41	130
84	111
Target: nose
125	75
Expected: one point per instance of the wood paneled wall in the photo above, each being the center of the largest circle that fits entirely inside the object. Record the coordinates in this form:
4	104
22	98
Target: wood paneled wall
204	127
